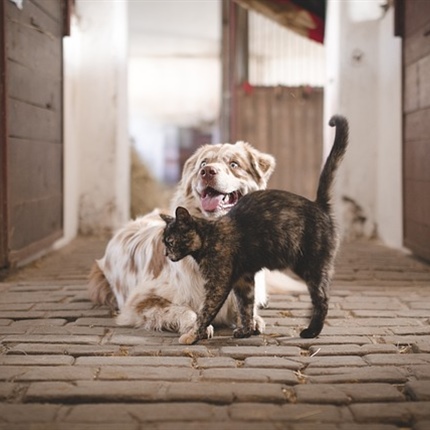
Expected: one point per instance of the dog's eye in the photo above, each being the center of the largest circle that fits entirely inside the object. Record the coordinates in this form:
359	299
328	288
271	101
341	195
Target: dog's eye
170	241
234	164
203	163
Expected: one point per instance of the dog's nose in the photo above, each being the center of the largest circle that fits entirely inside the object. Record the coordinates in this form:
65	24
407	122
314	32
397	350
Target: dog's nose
208	172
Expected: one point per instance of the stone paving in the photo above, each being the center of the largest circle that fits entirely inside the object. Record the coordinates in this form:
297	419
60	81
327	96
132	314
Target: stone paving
65	365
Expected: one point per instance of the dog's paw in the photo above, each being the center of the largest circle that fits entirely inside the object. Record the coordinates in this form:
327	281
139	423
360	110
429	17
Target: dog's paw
259	325
187	321
210	331
188	338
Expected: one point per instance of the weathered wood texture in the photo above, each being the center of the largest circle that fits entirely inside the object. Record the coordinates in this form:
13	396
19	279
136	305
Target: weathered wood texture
416	116
3	155
287	123
34	125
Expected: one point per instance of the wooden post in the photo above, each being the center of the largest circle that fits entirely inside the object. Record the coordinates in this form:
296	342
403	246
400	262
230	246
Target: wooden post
234	58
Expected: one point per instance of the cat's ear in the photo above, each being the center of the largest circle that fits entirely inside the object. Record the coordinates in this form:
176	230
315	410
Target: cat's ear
182	214
167	218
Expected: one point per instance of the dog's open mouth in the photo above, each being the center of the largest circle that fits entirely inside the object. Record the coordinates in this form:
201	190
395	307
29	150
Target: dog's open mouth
213	200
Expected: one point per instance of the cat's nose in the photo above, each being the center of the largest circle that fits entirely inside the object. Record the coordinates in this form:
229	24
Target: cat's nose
208	172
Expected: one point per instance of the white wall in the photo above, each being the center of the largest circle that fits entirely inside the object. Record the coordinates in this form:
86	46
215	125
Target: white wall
389	169
364	84
96	144
71	143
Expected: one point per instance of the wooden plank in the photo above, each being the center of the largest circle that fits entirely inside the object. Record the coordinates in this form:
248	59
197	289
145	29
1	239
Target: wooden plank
417	160
411	88
418	238
312	141
416	101
40	172
417	16
34	123
245	128
52	8
417	124
26	254
275	134
296	163
26	35
33	16
417	44
35	220
319	137
289	150
262	113
285	151
287	123
417	201
35	87
424	81
3	147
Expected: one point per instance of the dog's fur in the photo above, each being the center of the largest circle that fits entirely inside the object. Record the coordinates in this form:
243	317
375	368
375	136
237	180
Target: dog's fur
134	275
270	229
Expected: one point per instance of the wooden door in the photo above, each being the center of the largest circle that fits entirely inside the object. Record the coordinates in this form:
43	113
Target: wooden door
415	28
32	128
287	123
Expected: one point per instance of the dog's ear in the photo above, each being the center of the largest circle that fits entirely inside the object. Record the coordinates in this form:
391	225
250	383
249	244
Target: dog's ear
167	218
182	214
192	161
262	164
266	164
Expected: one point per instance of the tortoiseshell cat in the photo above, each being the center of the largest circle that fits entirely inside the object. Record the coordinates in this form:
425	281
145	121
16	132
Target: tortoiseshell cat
266	229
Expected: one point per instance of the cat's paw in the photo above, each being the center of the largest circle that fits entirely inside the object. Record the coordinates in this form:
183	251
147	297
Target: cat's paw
188	338
308	334
241	332
259	325
210	331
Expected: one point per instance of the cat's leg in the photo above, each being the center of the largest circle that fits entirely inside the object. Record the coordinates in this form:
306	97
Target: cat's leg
244	293
216	295
318	290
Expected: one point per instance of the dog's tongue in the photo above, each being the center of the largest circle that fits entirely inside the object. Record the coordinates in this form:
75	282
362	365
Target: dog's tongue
211	202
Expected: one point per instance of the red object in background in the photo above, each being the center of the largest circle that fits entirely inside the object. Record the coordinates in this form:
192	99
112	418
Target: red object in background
305	17
316	10
247	87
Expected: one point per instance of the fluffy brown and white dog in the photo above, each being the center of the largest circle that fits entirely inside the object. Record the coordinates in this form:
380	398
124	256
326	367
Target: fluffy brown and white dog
134	275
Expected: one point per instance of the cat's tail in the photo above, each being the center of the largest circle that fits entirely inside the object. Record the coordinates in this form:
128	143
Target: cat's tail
333	160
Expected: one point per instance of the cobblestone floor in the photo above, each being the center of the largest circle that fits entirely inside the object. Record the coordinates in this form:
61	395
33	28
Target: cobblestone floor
65	365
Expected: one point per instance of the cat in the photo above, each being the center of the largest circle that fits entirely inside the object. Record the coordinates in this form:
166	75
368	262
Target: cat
270	229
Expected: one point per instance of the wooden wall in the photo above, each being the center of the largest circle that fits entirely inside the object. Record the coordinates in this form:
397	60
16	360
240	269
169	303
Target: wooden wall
287	123
416	116
34	125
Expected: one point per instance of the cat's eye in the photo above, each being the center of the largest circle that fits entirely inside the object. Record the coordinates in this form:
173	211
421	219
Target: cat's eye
234	164
203	163
170	241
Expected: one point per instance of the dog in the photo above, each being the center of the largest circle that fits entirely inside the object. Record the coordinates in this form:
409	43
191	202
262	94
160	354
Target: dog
134	276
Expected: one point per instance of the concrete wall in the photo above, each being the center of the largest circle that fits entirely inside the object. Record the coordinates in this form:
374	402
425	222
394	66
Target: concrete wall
364	84
97	150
